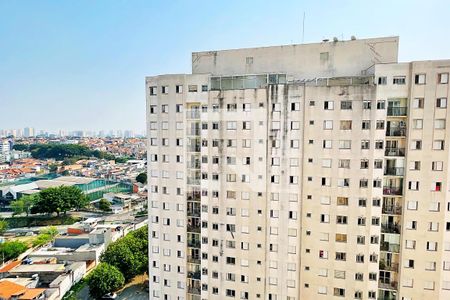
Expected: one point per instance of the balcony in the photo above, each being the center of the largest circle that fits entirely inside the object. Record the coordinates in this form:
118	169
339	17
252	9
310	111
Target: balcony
194	259
193	196
193	114
193	212
390	247
388	266
193	180
194	243
193	290
194	275
392	209
193	228
394	171
392	190
394	152
390	228
397	111
386	283
396	131
387	295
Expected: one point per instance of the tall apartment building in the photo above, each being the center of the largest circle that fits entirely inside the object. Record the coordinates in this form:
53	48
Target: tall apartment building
315	171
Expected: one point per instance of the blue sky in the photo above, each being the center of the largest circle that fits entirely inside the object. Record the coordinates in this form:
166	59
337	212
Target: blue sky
81	64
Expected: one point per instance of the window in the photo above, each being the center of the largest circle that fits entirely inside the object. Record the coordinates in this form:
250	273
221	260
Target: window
399	80
192	88
338	292
345	144
164	89
431	246
365	144
327	124
327	144
420	79
438	145
380	124
204	88
417	123
341	238
367	104
382	80
437	165
416	145
413	185
443	78
441	102
326	181
344	163
153	90
295	106
365	125
179	89
418	103
246	125
381	104
328	105
346	125
439	124
326	163
346	105
342	201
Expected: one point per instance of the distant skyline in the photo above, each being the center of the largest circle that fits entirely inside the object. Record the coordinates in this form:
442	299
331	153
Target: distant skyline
81	65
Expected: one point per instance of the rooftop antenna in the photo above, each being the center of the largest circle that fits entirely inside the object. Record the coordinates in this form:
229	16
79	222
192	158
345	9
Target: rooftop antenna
303	28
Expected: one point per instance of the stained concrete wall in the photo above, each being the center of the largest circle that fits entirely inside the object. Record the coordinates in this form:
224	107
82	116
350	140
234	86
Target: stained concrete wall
326	59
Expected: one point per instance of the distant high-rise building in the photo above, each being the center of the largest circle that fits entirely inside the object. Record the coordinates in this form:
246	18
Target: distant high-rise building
28	132
128	134
295	172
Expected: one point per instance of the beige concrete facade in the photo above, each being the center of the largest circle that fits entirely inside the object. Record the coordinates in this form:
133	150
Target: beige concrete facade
294	181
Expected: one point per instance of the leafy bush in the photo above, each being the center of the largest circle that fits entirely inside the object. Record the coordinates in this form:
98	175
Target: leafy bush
104	279
12	249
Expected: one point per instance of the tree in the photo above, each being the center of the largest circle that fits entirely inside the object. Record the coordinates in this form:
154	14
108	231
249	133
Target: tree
3	226
12	249
129	254
104	279
23	205
104	205
60	200
142	178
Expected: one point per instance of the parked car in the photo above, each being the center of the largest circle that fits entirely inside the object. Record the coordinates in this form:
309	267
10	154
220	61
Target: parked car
110	296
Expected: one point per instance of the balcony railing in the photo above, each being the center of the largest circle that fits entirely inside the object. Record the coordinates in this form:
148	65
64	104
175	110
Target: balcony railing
389	247
390	266
193	114
194	275
397	111
386	283
394	152
392	209
193	228
193	290
193	180
191	212
193	196
194	243
394	171
392	190
194	259
390	228
396	131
